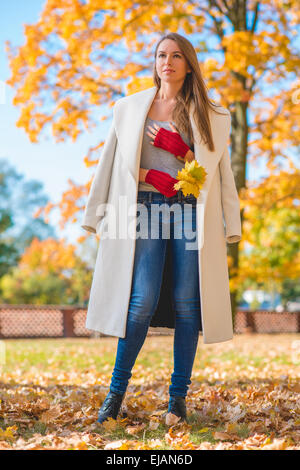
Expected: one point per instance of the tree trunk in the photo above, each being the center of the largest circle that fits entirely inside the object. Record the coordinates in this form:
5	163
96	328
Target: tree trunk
239	144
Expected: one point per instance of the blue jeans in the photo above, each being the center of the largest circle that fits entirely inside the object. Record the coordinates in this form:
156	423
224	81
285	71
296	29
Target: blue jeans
148	268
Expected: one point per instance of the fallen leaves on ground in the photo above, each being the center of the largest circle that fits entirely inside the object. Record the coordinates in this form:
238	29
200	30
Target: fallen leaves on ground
244	395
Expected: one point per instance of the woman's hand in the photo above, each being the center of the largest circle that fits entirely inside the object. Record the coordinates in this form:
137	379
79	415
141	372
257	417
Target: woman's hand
142	174
162	181
169	140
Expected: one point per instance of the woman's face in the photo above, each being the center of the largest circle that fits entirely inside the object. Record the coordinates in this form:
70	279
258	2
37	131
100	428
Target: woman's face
169	56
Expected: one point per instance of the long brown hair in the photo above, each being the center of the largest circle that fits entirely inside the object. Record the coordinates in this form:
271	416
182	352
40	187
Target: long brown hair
193	90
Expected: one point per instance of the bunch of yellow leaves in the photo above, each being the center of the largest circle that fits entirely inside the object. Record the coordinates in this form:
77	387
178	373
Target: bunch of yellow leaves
191	178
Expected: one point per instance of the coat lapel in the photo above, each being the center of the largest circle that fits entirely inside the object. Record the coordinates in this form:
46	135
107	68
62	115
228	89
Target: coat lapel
130	115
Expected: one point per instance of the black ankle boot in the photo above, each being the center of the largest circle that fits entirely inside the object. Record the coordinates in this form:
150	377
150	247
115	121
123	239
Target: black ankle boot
111	406
177	407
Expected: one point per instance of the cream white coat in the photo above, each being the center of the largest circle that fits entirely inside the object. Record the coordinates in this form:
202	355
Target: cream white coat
218	220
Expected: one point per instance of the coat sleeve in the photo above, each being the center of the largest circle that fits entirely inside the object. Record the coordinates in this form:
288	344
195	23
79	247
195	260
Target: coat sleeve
100	185
230	200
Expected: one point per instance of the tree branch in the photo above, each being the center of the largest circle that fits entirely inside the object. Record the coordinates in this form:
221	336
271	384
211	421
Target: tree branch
254	24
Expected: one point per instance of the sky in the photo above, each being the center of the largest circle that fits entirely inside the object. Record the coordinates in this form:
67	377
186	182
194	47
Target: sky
47	161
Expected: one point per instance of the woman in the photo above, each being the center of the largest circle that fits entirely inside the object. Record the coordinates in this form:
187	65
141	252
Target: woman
160	151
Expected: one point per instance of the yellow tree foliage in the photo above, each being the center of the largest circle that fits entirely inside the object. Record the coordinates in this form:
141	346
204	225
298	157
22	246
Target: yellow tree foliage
271	237
48	256
77	55
49	271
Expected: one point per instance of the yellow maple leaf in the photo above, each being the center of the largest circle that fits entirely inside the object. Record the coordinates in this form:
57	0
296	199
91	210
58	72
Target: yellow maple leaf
187	188
191	178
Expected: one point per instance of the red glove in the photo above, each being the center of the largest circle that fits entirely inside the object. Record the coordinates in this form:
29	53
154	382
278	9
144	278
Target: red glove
171	141
161	181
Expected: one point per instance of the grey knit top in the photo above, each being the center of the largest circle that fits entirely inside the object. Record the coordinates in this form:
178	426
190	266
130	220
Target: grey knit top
158	158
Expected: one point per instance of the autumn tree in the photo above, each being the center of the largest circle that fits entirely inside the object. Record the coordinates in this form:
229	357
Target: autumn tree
81	55
49	272
272	232
19	200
